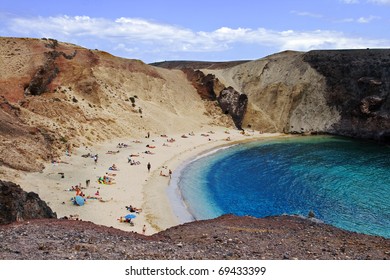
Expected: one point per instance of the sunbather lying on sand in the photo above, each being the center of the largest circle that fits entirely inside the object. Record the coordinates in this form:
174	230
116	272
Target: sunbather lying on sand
150	146
123	220
106	180
133	209
86	155
122	145
114	168
134	155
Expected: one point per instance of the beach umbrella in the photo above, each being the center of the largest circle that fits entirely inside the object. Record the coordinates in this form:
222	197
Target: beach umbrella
130	216
79	200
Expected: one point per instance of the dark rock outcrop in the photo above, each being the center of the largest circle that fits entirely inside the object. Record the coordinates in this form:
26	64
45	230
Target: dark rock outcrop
48	72
205	84
210	88
358	85
233	103
18	205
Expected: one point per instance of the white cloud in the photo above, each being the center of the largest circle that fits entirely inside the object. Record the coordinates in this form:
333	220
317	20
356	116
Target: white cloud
380	2
123	30
362	20
137	37
319	39
346	20
367	19
306	14
350	1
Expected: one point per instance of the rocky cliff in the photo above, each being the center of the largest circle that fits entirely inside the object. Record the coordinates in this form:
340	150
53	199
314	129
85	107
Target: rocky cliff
341	92
358	87
18	205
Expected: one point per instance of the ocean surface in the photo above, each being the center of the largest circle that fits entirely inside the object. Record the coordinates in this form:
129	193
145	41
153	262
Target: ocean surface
346	183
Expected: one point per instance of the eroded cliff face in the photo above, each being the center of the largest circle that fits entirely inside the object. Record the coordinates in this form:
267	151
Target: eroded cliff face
338	92
358	86
284	94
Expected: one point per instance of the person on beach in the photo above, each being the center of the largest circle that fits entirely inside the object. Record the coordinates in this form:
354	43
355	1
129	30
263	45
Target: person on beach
87	183
134	209
144	230
95	158
170	174
113	167
149	166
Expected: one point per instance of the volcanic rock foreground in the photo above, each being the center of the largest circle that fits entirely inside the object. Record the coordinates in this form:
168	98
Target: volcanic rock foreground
227	237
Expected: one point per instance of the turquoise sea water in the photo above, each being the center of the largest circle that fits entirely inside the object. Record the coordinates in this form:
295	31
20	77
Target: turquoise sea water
345	182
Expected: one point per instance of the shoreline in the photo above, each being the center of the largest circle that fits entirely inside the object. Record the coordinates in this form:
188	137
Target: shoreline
179	208
134	185
178	203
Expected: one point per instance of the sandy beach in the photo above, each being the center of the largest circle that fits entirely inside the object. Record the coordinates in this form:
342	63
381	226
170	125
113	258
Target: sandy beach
131	184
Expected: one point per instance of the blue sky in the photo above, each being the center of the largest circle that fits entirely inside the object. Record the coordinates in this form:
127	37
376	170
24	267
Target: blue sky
201	30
